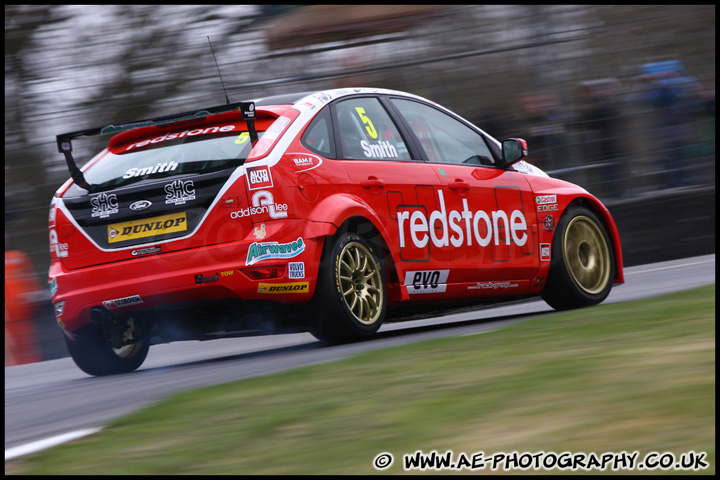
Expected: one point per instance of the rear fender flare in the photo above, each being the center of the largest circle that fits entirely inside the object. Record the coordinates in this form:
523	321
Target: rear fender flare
338	209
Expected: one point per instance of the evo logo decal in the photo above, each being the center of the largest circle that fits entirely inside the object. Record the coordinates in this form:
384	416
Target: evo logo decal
428	281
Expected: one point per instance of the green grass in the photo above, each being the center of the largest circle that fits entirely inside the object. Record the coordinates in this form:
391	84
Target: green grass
635	376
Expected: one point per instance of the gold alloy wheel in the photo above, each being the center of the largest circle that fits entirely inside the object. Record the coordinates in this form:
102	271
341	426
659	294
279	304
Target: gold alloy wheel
586	255
361	283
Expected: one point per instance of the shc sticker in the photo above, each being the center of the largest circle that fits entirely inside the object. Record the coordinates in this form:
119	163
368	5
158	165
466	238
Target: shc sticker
428	281
297	287
149	227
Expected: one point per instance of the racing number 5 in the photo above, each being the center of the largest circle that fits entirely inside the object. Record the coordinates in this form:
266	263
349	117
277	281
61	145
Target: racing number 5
368	123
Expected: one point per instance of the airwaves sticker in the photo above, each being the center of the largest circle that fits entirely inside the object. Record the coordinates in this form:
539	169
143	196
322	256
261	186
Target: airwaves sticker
149	227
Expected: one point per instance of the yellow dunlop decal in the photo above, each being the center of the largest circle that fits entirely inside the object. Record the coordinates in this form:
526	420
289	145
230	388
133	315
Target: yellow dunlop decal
297	287
148	227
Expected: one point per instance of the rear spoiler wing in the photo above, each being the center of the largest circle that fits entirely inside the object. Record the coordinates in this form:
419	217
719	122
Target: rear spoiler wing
64	140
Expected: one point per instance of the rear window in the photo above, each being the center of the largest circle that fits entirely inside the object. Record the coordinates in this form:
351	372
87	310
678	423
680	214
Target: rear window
175	153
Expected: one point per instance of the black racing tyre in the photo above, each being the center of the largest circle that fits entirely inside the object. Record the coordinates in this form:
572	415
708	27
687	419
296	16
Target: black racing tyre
582	268
94	353
350	299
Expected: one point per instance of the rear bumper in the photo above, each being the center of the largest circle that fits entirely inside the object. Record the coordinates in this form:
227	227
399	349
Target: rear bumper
202	274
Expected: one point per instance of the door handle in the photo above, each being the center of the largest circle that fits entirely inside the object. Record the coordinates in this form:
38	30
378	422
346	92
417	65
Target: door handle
372	182
459	185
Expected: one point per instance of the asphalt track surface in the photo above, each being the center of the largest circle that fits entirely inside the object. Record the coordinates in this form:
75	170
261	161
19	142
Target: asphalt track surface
53	398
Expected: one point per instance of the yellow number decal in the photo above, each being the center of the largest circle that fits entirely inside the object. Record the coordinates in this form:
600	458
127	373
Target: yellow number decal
242	138
368	124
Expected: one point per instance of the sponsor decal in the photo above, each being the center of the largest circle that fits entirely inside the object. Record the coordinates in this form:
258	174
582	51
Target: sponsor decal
148	227
303	162
492	285
427	281
297	287
145	251
179	192
159	168
262	202
545	252
186	133
265	250
545	199
259	177
122	302
230	201
382	149
104	205
296	270
53	287
549	223
227	273
200	279
546	203
259	232
547	208
466	225
140	205
60	249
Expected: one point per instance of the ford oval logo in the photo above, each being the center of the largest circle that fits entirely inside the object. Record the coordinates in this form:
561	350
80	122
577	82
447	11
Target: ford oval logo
140	205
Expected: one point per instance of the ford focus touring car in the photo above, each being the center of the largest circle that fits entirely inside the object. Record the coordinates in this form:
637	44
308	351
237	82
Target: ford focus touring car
311	212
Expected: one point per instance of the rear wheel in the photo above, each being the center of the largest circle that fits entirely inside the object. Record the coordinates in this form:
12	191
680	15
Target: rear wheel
351	300
109	346
583	263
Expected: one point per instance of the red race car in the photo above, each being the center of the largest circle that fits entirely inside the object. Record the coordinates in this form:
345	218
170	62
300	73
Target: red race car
308	212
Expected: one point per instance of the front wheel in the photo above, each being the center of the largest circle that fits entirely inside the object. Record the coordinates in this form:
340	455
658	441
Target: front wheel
582	269
350	299
110	346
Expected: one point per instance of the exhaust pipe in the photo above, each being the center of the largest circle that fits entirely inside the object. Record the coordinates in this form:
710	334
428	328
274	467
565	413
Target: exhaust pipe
98	315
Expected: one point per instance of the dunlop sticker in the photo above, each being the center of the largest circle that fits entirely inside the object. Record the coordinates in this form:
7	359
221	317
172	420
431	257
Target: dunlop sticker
149	227
297	287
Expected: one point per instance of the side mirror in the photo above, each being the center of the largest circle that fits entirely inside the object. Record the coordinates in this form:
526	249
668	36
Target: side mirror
514	150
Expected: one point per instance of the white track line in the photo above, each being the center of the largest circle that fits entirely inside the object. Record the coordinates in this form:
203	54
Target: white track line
33	447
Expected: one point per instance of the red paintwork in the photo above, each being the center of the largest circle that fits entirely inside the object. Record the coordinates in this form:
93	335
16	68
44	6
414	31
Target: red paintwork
318	195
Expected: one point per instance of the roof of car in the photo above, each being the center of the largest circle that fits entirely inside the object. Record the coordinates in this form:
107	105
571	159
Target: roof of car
285	99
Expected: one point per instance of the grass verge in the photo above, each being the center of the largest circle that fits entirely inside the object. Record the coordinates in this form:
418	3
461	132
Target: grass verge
636	376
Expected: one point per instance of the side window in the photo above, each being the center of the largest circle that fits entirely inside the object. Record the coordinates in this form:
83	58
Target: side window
444	139
367	132
317	137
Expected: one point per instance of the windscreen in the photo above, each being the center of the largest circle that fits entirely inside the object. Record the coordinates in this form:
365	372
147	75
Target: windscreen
196	151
